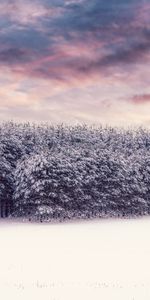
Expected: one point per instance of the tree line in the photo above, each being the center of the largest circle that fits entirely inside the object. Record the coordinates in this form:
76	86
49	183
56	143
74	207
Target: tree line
62	172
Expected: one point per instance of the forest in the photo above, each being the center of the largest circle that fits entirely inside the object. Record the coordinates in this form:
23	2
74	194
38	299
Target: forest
57	172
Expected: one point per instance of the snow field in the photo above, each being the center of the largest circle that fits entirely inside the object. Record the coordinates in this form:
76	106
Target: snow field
99	259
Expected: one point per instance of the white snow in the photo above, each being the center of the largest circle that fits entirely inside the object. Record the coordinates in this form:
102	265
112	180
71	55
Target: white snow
98	260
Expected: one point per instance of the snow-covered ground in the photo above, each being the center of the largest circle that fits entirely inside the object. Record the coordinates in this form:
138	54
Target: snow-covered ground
101	259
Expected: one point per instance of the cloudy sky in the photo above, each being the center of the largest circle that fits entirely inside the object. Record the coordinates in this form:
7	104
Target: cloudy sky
75	61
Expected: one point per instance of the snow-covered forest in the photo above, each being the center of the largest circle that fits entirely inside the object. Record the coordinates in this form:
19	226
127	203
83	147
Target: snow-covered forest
63	172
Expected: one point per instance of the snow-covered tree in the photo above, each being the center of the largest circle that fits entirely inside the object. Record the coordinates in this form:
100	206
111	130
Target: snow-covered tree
11	148
6	186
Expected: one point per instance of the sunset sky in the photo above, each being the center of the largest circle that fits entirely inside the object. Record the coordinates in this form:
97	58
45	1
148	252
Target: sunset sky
75	61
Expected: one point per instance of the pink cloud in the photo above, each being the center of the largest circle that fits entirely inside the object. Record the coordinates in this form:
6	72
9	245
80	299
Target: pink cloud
140	99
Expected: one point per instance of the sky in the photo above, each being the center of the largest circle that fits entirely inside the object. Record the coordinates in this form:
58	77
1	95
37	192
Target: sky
75	61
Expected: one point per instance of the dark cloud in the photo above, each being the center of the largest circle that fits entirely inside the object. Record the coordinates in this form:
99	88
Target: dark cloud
127	54
13	55
27	37
97	14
